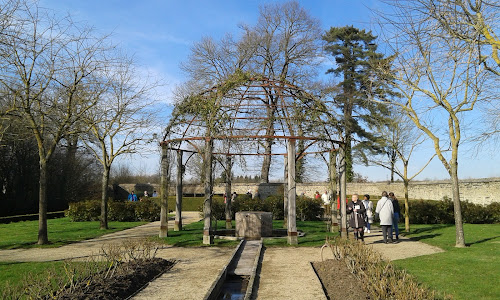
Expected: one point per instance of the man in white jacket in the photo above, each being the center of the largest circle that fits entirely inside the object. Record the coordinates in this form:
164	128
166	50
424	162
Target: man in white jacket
385	210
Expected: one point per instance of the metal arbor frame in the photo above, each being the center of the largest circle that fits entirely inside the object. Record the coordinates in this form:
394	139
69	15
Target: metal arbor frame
239	120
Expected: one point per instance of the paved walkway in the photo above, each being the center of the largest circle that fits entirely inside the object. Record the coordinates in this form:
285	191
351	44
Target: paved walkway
93	246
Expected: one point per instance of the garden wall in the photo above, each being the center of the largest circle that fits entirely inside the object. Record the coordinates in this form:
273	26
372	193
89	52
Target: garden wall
479	191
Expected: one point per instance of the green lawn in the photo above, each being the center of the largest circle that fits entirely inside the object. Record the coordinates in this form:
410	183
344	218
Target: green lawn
465	273
60	231
315	234
14	273
192	235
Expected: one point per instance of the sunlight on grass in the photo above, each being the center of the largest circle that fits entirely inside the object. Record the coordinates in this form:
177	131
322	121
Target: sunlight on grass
466	273
60	231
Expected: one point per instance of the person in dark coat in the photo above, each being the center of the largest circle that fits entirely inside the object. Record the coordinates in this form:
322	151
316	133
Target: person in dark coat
395	216
357	210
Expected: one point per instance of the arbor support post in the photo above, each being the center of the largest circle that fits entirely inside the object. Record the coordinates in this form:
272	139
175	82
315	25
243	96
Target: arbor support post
208	238
228	192
178	196
292	226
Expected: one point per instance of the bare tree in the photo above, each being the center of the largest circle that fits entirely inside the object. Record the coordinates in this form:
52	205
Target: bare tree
440	79
402	139
121	122
47	66
284	45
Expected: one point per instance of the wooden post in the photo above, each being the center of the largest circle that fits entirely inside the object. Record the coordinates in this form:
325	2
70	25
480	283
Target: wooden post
229	176
292	226
164	192
285	193
343	192
178	196
208	238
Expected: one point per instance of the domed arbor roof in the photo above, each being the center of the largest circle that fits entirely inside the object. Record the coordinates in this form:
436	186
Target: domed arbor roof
240	117
244	112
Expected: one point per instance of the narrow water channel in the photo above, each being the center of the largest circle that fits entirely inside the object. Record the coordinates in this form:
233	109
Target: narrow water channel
234	288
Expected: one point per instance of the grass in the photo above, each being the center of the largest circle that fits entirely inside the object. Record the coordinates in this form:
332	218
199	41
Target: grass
192	235
60	231
14	273
315	234
465	273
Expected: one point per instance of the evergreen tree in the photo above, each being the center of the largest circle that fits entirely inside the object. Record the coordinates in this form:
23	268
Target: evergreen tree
355	54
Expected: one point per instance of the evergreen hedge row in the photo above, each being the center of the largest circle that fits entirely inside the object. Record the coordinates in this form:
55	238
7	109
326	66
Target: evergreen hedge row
146	210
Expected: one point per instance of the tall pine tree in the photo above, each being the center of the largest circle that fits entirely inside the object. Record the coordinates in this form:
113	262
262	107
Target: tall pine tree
355	53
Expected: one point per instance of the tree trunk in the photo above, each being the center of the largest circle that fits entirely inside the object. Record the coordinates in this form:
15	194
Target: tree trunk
459	228
178	196
164	192
407	205
332	168
292	216
229	176
266	163
42	204
104	198
207	204
343	191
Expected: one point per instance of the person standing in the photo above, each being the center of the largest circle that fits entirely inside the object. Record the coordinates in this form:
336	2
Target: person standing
132	197
317	195
395	216
326	203
356	209
369	212
385	211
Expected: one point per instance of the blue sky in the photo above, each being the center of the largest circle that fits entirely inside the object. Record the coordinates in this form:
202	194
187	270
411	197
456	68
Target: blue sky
160	34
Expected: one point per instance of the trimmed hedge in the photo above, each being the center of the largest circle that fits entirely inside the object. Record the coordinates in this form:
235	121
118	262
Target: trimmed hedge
441	212
145	210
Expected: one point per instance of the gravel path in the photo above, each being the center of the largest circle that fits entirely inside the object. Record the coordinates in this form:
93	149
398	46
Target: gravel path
405	248
287	274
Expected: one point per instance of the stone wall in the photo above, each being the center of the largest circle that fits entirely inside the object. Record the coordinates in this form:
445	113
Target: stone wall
479	191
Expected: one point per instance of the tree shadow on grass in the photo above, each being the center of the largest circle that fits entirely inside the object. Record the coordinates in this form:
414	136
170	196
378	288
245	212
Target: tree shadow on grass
428	228
483	240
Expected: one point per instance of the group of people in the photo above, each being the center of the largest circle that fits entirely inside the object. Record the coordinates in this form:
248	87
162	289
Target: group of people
361	216
133	197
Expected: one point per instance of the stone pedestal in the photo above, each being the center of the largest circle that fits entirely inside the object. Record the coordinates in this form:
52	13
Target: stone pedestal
254	224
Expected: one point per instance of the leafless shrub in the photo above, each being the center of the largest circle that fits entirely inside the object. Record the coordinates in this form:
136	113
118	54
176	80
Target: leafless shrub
382	280
109	263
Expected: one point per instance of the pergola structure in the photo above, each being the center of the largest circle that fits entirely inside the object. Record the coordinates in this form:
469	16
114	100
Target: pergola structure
243	117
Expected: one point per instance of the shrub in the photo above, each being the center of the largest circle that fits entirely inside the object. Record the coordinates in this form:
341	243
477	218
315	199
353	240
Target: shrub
89	210
441	212
494	208
147	210
381	280
274	204
121	211
308	209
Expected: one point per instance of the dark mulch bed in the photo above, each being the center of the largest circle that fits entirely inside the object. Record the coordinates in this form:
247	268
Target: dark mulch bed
133	276
338	281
